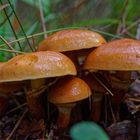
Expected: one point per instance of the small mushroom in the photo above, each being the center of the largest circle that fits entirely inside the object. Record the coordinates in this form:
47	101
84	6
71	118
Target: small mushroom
64	94
36	67
71	42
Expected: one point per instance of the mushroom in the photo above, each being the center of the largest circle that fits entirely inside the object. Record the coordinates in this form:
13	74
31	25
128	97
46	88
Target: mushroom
72	42
64	94
120	56
36	67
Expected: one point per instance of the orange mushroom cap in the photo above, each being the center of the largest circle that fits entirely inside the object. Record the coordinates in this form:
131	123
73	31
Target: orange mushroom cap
36	65
68	40
121	55
68	90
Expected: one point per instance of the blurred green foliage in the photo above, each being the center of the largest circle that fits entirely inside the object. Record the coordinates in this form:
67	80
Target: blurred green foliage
87	130
105	16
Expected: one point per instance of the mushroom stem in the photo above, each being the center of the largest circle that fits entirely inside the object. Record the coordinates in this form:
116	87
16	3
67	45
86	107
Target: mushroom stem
37	83
64	115
34	98
96	107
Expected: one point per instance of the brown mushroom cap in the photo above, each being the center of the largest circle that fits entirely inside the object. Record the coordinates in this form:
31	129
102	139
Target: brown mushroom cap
122	55
68	40
36	65
68	90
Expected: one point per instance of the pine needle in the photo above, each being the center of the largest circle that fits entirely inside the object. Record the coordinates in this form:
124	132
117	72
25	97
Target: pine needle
11	51
5	41
55	30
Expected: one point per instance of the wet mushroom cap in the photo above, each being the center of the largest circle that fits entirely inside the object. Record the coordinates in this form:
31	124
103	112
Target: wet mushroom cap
68	90
121	55
36	65
68	40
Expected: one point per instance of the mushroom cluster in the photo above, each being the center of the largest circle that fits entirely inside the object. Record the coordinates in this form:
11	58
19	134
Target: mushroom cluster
36	67
72	66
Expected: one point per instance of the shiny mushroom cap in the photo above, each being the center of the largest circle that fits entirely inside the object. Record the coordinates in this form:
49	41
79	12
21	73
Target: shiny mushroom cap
121	55
36	65
68	40
68	90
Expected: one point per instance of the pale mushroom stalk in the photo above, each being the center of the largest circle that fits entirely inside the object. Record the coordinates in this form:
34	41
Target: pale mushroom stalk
34	98
35	84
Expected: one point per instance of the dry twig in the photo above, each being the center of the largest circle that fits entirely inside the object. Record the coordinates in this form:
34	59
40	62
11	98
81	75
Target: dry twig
102	84
12	51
